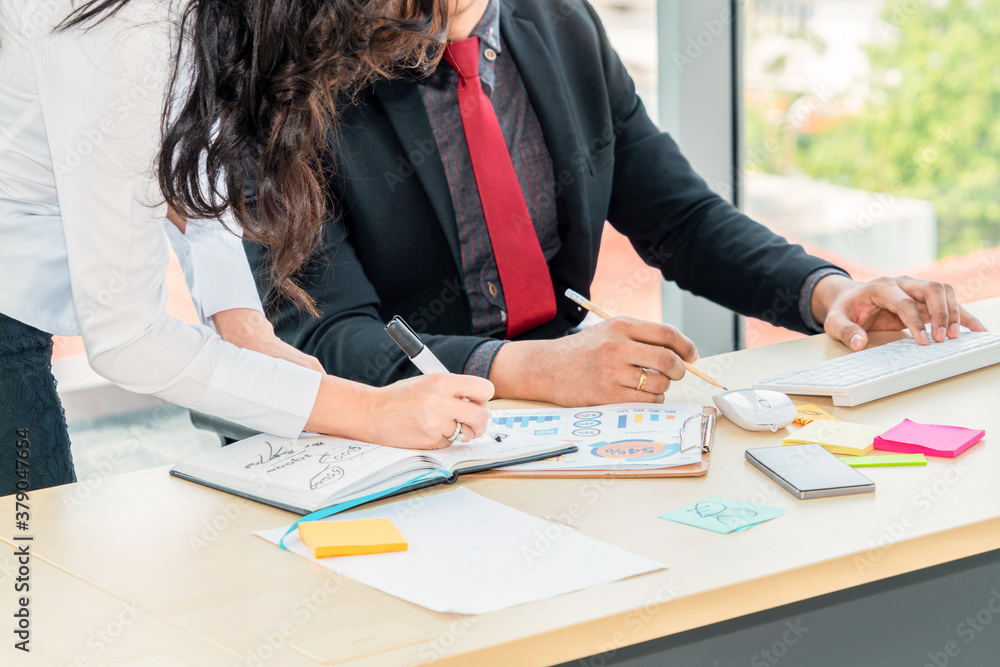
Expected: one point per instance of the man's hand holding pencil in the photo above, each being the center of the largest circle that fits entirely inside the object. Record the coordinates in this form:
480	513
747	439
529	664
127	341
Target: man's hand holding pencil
620	360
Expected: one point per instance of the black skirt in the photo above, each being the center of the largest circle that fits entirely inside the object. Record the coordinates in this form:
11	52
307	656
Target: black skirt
34	441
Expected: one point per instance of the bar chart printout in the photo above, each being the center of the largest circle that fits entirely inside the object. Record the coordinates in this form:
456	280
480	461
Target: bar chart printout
524	421
626	436
638	418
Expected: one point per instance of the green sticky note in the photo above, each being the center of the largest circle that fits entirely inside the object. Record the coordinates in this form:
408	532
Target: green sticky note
722	515
893	460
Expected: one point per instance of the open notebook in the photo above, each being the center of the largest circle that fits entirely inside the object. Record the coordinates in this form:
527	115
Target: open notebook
308	474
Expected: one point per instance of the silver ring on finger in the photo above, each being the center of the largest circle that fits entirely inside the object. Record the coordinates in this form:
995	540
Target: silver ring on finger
457	436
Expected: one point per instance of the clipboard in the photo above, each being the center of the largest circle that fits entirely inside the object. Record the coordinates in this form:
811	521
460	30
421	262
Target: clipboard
709	415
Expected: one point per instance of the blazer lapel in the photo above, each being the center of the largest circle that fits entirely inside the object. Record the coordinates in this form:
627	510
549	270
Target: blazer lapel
557	118
408	117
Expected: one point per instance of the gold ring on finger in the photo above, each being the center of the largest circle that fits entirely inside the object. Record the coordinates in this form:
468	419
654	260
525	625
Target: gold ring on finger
643	376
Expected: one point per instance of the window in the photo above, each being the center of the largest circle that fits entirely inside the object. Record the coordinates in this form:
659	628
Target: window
680	53
872	137
624	285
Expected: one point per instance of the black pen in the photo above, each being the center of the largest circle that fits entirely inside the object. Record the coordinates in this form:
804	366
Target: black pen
422	357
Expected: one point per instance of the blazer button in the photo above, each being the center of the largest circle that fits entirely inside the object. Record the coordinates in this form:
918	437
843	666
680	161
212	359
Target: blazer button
490	54
493	289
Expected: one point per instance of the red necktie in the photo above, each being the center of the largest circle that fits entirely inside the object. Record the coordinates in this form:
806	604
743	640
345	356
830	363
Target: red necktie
524	274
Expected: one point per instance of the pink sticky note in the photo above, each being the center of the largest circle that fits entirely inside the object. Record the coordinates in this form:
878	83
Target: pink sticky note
910	437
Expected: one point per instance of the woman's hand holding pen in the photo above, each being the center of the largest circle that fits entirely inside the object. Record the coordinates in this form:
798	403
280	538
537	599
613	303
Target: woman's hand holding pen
418	413
603	363
422	412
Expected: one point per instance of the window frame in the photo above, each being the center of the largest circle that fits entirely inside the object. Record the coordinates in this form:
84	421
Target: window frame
700	92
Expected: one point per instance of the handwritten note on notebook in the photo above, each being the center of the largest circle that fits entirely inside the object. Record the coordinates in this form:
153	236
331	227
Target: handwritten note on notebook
909	437
722	515
836	437
471	555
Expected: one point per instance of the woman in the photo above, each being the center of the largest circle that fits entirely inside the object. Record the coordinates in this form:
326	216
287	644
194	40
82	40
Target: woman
108	108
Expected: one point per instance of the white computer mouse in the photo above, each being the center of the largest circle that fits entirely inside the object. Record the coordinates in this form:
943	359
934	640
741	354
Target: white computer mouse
756	409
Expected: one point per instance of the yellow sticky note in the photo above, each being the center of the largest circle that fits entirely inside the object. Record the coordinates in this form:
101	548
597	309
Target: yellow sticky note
804	414
351	538
837	437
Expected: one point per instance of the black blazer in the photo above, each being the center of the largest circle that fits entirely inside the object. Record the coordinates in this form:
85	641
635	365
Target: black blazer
393	248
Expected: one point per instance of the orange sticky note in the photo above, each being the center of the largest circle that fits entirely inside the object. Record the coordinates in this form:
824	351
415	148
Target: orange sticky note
806	414
351	538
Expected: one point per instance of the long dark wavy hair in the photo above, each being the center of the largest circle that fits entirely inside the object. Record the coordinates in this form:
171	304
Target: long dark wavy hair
269	77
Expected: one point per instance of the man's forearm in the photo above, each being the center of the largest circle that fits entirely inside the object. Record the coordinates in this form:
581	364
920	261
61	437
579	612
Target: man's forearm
517	371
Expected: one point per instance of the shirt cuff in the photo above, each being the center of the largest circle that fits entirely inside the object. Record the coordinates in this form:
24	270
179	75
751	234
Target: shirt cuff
806	294
480	362
263	393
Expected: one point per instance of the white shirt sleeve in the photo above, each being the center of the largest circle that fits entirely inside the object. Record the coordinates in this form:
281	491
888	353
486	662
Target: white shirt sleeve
101	92
215	266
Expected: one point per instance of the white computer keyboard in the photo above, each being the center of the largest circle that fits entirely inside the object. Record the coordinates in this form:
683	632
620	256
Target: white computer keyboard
888	369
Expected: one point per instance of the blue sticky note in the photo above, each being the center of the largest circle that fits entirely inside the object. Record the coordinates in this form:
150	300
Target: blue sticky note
722	515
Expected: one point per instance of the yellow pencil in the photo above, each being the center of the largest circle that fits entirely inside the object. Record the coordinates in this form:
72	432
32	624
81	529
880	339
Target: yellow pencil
600	312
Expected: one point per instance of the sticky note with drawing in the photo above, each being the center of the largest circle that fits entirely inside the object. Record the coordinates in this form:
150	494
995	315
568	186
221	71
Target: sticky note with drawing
722	515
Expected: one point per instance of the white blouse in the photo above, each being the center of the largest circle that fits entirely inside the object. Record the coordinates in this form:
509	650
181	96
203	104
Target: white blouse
83	235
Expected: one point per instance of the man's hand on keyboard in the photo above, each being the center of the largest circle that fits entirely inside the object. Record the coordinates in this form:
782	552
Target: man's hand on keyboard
849	309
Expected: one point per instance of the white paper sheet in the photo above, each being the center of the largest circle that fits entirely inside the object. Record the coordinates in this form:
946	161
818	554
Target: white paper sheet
471	555
626	436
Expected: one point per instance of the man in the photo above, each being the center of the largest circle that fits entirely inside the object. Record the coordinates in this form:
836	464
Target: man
469	198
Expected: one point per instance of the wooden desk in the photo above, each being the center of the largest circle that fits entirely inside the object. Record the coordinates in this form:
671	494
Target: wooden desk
184	553
74	623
